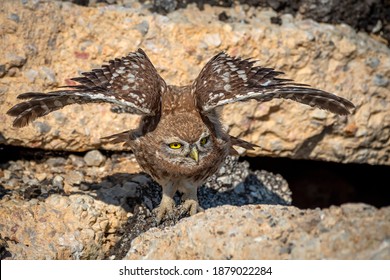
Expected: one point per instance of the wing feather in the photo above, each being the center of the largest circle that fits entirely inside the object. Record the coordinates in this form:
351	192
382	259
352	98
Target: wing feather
131	82
226	79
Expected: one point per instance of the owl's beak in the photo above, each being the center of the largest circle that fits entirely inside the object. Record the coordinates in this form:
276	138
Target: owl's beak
194	154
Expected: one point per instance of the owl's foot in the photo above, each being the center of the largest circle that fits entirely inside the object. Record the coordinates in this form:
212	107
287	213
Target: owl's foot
165	209
192	207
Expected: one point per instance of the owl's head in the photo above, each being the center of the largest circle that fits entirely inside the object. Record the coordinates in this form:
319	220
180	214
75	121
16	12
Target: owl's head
186	140
184	151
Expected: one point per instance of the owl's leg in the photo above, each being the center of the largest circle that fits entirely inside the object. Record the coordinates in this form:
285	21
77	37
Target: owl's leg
167	203
191	203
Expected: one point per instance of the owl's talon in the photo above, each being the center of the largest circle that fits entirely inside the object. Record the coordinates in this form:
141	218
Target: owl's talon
165	210
162	213
192	207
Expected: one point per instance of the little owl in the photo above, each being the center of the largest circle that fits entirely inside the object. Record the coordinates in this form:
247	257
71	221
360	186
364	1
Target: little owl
180	141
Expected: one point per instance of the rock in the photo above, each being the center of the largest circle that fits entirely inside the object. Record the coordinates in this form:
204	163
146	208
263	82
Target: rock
7	174
132	189
41	127
60	196
59	228
212	40
14	17
373	62
143	27
368	15
74	177
333	58
58	182
236	184
47	219
224	180
41	176
118	194
2	70
381	81
94	158
352	231
77	161
15	60
48	76
84	187
31	75
56	161
165	6
59	117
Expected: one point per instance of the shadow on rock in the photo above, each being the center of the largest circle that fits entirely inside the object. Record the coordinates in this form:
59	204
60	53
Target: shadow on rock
233	184
106	182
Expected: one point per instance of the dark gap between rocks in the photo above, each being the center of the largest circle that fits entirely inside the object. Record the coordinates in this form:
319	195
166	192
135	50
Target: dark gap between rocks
322	184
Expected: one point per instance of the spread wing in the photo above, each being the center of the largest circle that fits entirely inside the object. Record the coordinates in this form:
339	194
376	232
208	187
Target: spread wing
226	79
131	82
240	143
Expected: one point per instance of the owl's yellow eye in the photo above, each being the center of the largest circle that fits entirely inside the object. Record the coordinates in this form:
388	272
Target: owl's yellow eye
175	145
204	140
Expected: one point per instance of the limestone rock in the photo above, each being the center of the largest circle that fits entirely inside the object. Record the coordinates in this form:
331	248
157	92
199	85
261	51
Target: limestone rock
52	42
352	231
94	158
61	227
52	209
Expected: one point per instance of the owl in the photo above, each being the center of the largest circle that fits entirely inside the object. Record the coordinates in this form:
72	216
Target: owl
180	140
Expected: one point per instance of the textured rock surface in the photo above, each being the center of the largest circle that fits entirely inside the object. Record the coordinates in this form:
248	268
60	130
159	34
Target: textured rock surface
352	231
74	227
47	43
60	208
369	15
64	208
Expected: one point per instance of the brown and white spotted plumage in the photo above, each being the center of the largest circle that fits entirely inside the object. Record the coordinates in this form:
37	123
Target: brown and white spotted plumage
180	141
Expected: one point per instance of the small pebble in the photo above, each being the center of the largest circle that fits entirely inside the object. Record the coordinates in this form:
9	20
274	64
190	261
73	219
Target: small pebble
77	161
380	80
74	177
58	182
56	161
143	27
7	174
84	187
94	158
